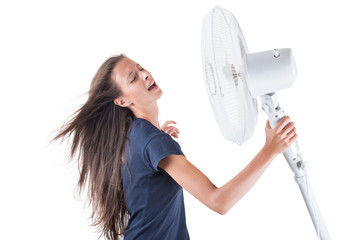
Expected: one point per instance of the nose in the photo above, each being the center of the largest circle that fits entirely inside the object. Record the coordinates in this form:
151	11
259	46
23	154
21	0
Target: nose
145	75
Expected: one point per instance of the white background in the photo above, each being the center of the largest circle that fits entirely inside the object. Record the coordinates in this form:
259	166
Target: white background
50	51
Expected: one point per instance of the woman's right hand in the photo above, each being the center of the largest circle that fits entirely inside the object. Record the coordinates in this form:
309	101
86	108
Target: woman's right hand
281	137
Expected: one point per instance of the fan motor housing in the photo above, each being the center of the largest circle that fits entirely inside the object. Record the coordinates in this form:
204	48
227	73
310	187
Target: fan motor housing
270	71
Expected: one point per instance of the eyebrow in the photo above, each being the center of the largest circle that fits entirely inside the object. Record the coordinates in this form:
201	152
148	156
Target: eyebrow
132	72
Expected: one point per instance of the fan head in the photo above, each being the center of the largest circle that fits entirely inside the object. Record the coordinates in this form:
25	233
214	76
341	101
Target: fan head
234	77
223	51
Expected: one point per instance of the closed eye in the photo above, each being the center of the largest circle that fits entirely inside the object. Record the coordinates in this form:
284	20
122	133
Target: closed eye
135	75
133	79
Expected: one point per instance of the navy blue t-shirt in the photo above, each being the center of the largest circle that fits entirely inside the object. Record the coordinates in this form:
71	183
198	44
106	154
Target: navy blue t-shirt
154	200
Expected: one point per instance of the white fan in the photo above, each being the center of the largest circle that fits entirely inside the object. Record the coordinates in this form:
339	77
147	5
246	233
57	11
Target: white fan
234	78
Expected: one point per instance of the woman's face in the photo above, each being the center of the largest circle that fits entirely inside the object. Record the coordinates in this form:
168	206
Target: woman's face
136	84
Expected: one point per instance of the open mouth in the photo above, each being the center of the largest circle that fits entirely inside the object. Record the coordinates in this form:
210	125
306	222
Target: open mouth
152	86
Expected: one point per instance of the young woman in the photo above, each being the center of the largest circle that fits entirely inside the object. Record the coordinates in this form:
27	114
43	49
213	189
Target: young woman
134	170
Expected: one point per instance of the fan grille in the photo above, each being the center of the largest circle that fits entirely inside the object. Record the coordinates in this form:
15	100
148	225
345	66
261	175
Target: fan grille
223	51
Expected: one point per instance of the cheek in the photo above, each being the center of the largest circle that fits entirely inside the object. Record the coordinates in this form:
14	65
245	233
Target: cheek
137	95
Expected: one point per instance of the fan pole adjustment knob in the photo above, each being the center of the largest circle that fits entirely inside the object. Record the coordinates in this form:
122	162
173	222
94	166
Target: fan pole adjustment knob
276	53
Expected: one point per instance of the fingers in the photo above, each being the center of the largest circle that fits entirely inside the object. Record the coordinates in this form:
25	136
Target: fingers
283	122
288	128
282	136
290	134
267	124
175	135
291	138
171	130
167	123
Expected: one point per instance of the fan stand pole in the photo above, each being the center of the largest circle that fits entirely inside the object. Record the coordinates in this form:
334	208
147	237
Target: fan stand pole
294	159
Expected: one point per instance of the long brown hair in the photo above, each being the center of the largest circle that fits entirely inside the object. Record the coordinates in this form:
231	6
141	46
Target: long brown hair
99	130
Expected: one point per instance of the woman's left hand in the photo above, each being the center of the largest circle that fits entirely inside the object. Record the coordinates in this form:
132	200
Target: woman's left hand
171	130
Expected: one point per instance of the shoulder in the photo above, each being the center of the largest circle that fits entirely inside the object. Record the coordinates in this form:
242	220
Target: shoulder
144	130
151	143
143	135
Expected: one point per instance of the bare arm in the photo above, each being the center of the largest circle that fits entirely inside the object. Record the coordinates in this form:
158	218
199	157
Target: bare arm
222	199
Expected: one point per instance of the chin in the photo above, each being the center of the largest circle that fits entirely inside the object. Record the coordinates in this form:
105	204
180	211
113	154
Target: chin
159	93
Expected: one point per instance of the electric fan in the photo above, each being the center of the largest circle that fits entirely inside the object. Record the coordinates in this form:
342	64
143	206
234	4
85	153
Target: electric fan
234	78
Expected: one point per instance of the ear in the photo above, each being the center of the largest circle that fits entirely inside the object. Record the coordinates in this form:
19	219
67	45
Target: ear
122	102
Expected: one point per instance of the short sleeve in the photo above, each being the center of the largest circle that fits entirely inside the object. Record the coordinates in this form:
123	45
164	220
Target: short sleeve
159	147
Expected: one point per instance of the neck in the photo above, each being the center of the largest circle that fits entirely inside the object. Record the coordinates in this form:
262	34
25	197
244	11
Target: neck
150	113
